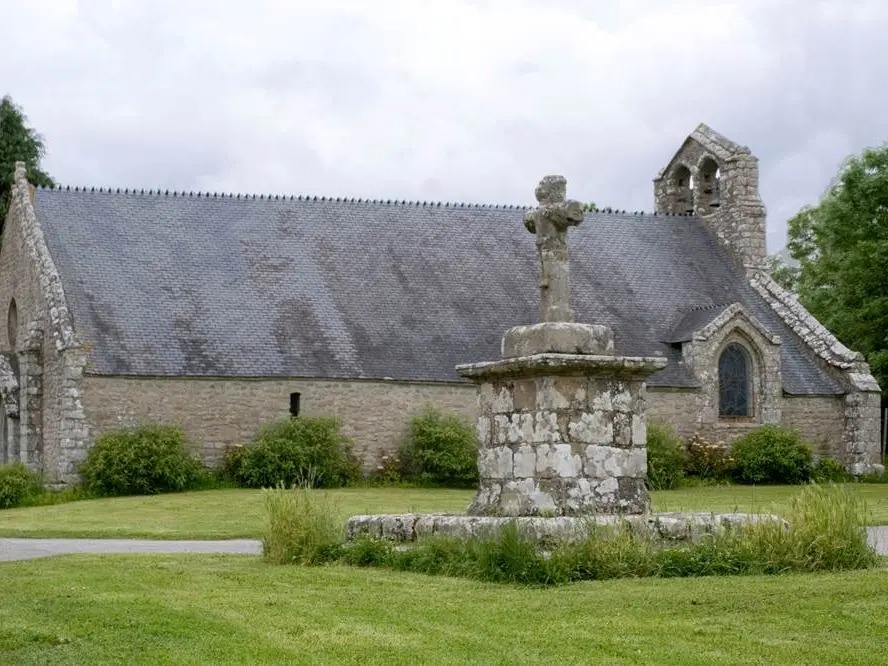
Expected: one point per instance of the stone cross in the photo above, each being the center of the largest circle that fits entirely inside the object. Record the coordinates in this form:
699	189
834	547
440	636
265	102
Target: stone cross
549	222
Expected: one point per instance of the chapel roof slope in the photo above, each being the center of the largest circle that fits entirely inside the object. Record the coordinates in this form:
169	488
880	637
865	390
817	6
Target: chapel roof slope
693	320
167	285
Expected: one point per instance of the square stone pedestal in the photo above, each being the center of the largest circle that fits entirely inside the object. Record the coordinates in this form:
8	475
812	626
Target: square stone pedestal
561	434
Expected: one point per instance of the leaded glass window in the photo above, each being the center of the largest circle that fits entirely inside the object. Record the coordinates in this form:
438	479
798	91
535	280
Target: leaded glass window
733	381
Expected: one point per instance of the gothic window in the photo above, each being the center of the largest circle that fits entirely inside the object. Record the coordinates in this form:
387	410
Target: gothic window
707	195
733	381
683	183
12	324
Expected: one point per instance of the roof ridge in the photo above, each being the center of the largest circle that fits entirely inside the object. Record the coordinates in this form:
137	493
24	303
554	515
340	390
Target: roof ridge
701	308
204	194
637	213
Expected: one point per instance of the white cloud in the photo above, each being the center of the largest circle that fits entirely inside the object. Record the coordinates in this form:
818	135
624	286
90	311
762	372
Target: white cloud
445	99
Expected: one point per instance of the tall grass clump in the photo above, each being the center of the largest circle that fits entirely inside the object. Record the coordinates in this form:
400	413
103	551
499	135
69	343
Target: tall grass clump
827	532
511	556
507	556
613	551
302	526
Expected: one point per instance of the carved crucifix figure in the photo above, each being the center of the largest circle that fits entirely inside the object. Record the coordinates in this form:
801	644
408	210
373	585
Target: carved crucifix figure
549	222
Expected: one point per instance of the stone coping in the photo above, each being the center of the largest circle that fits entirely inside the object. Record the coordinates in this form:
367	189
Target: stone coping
562	364
557	337
673	526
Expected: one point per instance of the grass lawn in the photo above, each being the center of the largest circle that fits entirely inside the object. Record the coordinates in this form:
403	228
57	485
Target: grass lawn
238	610
224	514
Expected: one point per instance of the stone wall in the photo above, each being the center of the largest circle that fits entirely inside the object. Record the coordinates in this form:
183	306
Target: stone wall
820	420
740	222
861	420
23	335
677	407
216	413
862	434
42	345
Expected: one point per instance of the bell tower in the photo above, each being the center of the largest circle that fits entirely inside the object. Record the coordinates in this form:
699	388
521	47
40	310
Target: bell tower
716	180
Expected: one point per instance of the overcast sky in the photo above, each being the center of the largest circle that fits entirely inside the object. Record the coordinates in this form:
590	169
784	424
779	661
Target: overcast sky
457	100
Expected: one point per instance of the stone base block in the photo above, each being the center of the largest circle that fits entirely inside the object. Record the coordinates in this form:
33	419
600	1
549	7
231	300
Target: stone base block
560	337
404	528
562	496
862	469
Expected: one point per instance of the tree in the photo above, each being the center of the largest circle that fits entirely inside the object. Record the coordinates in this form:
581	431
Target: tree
841	245
18	143
783	274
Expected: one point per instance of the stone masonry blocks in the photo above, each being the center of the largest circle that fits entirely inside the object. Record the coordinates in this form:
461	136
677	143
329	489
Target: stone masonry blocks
565	444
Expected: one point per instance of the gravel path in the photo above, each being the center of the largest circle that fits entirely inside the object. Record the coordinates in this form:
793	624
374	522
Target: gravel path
28	549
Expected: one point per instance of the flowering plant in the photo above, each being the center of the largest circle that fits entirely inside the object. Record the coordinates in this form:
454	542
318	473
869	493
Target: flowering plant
706	459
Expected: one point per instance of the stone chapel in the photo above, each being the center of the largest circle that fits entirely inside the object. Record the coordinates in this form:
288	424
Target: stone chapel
222	312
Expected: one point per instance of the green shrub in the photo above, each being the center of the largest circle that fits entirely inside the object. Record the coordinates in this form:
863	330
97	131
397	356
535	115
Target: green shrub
232	462
388	471
18	485
144	460
302	527
830	470
772	454
441	449
707	460
664	457
295	450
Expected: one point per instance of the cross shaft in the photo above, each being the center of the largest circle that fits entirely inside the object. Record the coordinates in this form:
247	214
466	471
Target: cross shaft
550	221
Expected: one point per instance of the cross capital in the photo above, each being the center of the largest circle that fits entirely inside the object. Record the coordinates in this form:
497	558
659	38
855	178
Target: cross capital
554	207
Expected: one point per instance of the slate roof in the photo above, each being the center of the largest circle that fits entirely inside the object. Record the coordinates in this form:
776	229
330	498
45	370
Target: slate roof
692	321
221	286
